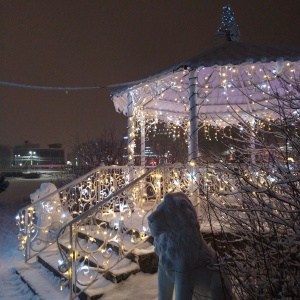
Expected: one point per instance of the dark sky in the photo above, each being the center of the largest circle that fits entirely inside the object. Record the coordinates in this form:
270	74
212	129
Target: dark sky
98	43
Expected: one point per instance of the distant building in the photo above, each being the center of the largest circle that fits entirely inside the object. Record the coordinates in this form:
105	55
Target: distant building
31	155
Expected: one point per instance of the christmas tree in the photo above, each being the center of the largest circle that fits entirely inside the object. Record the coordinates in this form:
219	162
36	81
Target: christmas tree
228	27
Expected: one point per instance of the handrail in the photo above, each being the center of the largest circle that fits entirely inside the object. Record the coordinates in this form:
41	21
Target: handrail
68	262
39	221
107	199
72	183
35	237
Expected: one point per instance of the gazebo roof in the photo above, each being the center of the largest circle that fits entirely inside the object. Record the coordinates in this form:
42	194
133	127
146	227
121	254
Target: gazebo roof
235	77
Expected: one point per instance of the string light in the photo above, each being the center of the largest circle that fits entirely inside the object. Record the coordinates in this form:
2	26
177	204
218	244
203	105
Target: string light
171	102
64	88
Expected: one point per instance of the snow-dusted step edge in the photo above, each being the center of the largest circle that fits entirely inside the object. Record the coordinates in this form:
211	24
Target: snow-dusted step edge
14	287
42	282
45	285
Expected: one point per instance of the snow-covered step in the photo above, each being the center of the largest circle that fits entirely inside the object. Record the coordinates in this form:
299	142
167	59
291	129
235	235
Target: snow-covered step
146	258
143	254
120	270
49	259
42	281
14	287
43	275
93	231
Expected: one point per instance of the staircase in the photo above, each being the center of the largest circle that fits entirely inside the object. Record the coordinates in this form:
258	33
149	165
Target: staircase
92	234
45	268
86	237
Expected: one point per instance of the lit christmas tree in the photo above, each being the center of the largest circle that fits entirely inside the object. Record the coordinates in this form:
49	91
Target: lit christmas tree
228	28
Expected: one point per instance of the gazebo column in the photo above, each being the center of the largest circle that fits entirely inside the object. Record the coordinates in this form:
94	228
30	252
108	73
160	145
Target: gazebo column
252	142
252	122
143	143
130	133
193	138
193	128
142	184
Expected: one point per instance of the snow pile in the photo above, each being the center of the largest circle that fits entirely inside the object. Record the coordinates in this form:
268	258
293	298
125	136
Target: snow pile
10	257
49	212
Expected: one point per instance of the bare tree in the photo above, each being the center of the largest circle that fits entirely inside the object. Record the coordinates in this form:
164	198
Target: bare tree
255	200
108	149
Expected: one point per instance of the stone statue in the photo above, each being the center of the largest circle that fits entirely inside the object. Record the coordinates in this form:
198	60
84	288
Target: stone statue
186	262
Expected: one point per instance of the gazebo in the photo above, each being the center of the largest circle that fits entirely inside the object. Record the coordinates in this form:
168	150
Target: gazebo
233	79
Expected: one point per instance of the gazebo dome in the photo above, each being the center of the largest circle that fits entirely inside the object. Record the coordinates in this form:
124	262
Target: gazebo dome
235	77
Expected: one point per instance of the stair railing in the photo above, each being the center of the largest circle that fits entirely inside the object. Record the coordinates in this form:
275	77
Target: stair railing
97	240
40	221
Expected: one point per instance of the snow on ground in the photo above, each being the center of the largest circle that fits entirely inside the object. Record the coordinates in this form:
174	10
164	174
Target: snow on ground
10	257
136	287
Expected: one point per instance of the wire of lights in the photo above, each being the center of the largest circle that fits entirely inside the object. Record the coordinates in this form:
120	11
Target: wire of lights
57	88
61	88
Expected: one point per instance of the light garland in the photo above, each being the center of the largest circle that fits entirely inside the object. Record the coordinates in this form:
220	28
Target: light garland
224	92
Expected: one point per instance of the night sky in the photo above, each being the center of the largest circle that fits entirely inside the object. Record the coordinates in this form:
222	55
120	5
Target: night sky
98	43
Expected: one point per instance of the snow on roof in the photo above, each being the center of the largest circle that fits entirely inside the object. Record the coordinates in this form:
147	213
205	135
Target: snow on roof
232	78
